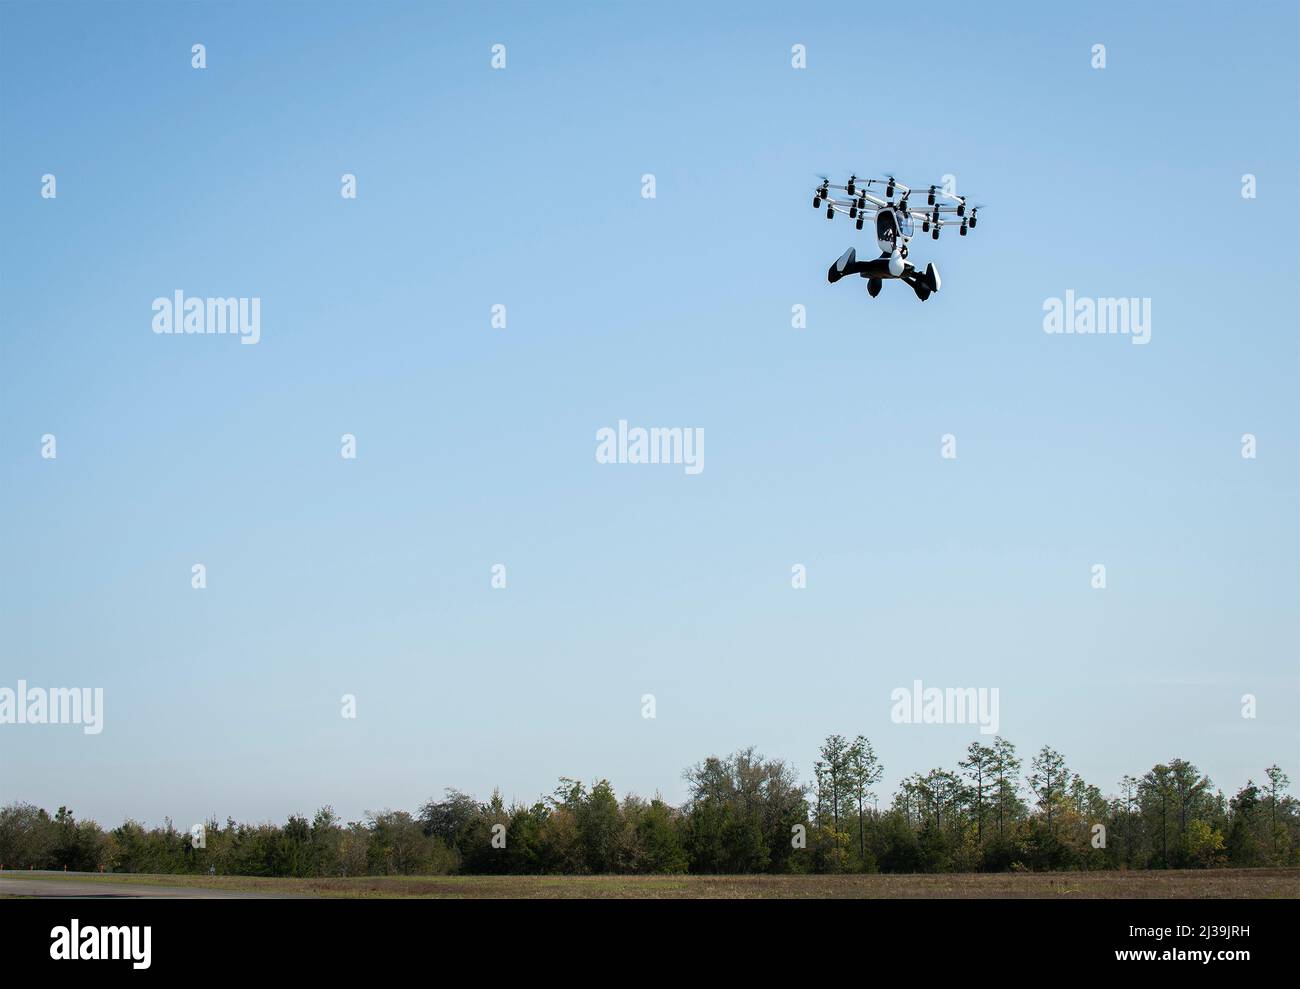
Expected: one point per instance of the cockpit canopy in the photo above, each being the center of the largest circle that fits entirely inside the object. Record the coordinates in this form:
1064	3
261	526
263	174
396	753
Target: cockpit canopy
891	225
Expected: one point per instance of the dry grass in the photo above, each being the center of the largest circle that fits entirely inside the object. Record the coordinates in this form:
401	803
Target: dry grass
1226	883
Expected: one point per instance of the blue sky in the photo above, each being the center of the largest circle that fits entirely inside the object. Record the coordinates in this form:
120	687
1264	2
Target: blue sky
476	445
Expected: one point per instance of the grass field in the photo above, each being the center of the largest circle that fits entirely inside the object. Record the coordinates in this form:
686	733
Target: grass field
1230	883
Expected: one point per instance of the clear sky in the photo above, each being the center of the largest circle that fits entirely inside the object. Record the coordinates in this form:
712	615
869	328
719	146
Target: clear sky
475	446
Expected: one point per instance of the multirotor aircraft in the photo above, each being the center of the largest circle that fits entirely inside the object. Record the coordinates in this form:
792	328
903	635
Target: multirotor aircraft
895	225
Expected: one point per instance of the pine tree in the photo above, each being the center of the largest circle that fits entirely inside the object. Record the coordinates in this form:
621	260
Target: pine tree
1005	769
864	772
1047	780
978	766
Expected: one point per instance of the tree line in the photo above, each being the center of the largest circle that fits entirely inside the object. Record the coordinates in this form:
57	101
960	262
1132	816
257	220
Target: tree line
744	814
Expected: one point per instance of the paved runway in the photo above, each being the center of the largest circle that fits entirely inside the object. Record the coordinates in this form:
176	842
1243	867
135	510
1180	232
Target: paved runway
68	885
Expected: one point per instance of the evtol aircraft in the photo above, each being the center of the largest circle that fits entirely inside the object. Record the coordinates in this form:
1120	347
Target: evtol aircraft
896	222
